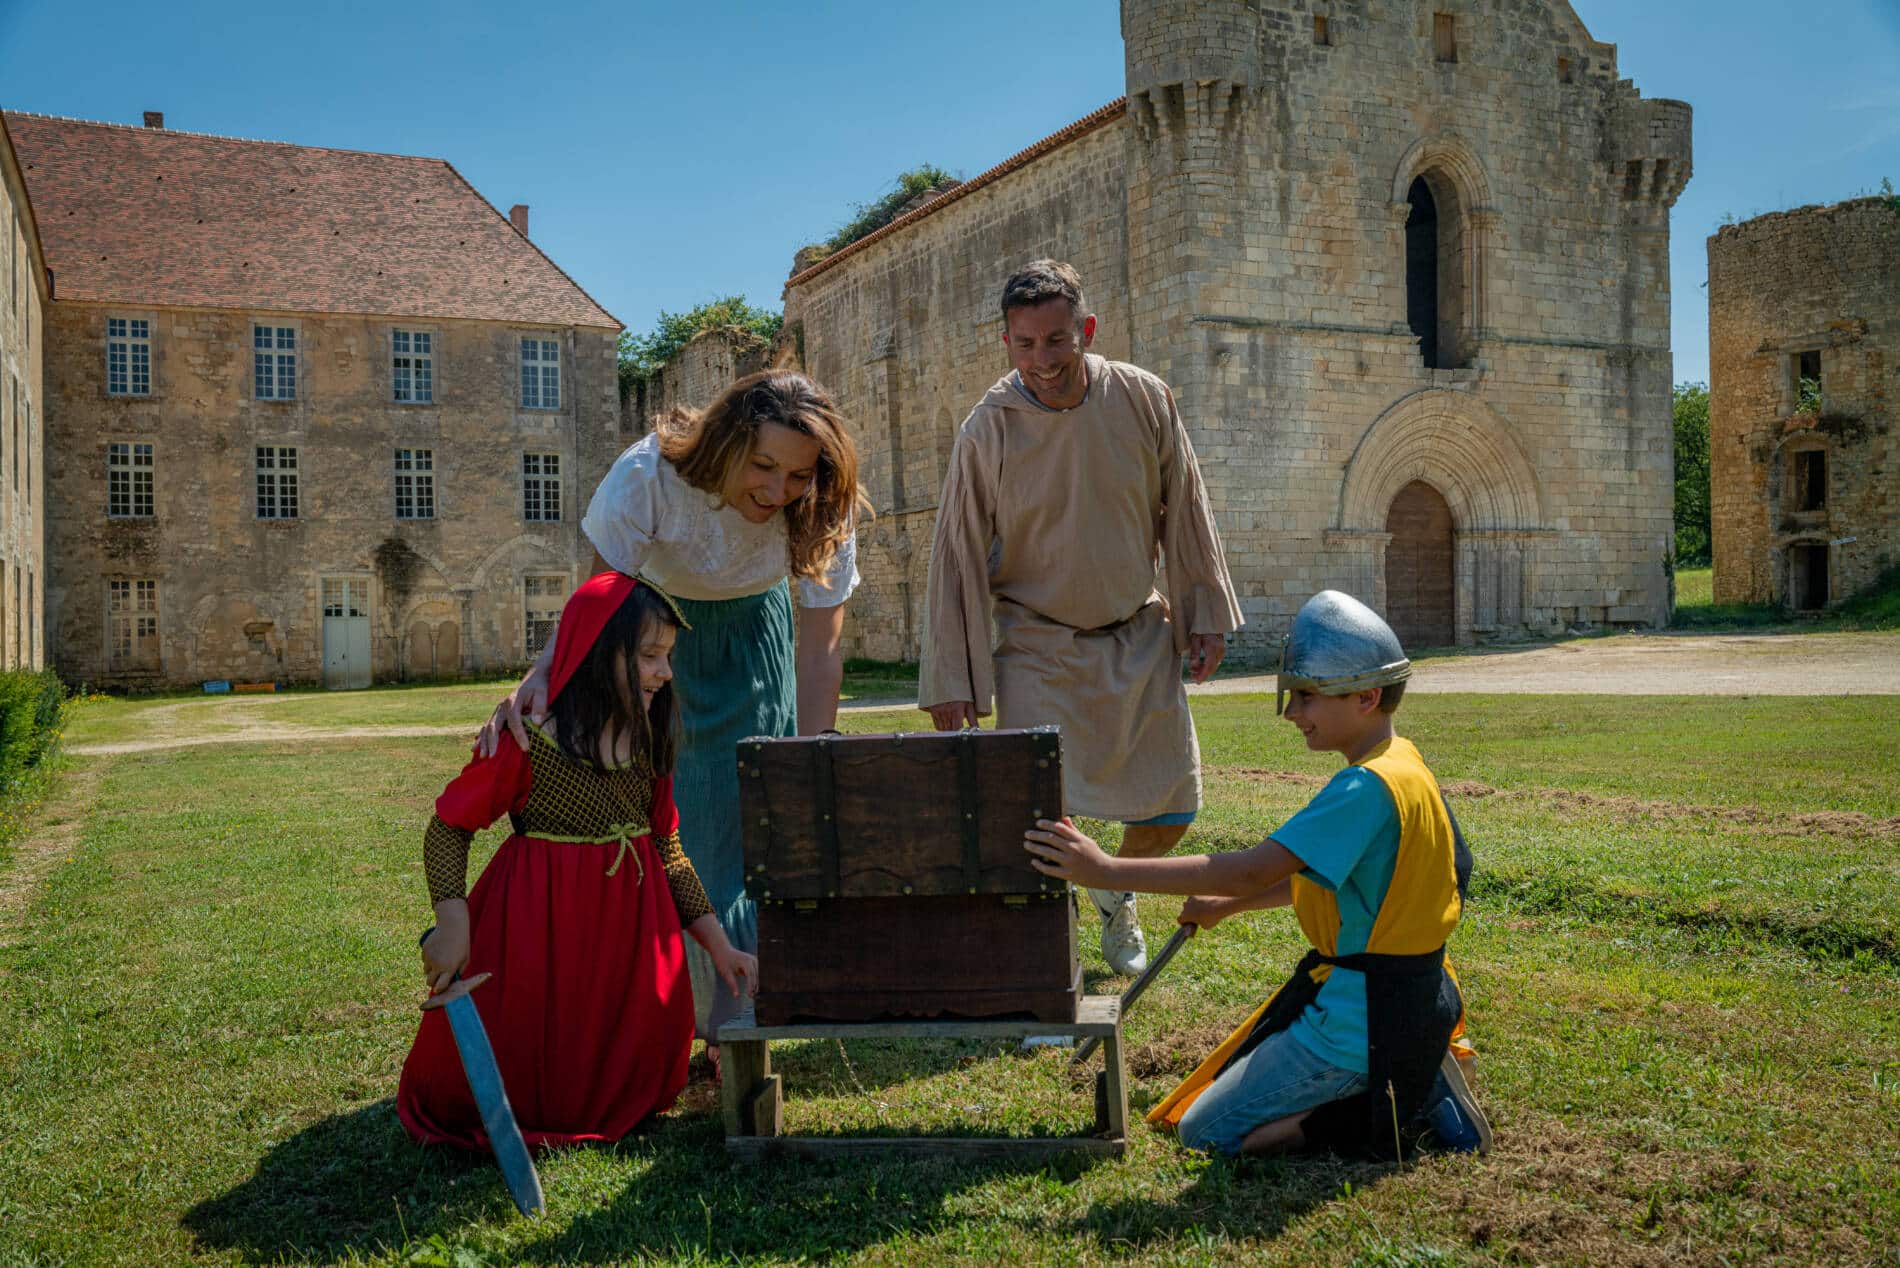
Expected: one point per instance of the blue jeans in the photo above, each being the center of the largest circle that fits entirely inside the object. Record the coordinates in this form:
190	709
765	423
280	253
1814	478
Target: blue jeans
1278	1079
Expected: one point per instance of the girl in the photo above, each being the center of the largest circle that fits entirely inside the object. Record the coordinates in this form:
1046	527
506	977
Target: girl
721	506
578	916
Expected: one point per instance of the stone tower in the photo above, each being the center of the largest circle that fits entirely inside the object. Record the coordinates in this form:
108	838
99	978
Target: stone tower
1406	267
1804	373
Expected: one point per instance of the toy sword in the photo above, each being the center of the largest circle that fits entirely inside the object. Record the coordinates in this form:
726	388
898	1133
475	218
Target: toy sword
491	1098
1140	984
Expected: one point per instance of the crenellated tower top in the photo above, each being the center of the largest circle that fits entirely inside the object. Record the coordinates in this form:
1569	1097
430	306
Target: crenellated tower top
1190	70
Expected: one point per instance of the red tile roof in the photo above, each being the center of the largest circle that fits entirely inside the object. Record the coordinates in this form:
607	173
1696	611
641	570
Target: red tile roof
1055	140
152	216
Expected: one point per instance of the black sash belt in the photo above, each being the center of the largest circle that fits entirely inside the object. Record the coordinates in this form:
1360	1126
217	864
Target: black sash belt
1412	1006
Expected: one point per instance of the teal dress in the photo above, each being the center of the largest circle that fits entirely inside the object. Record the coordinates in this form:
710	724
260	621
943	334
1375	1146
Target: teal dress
734	676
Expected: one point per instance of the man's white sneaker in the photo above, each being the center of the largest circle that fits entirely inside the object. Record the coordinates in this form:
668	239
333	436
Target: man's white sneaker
1122	944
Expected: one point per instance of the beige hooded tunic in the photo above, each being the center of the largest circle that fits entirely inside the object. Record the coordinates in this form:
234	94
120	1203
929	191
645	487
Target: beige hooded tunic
1055	523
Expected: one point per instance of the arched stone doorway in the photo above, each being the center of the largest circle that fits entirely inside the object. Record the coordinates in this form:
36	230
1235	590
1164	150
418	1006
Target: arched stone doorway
1420	588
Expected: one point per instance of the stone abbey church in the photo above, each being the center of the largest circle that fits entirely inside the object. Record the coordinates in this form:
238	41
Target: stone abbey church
300	414
1406	266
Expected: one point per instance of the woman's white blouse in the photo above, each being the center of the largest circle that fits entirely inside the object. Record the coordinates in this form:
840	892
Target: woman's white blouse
644	519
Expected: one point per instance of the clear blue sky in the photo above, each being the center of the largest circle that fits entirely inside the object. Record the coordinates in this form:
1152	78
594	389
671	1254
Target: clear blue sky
674	152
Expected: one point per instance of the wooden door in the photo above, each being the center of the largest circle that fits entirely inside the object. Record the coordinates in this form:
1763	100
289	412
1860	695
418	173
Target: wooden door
1419	586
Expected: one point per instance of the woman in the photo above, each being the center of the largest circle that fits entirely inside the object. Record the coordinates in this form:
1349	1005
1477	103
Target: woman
720	507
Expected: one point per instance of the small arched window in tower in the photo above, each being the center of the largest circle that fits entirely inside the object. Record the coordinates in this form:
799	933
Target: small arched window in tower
1435	272
1421	270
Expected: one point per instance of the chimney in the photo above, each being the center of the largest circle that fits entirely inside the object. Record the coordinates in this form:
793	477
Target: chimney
518	217
155	119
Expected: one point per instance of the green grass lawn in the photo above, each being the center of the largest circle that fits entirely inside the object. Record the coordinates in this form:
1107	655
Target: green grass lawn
1876	608
1682	967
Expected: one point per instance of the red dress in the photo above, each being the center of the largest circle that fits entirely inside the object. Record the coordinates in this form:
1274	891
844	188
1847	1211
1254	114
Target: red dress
578	918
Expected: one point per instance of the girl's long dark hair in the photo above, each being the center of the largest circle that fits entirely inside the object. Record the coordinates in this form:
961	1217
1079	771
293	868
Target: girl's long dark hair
589	705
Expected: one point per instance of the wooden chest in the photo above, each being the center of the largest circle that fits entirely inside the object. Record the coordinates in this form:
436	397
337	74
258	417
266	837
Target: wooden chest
891	879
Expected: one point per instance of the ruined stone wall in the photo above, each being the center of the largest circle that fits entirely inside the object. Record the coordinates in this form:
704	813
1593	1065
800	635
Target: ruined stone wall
907	334
1824	282
1258	262
241	597
22	427
709	362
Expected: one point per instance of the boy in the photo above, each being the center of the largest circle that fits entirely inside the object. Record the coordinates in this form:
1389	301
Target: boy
1353	1050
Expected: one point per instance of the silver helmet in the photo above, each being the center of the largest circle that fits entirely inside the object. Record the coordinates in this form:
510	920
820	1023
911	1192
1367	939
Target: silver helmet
1338	646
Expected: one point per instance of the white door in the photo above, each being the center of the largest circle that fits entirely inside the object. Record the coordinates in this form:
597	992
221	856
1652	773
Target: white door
345	632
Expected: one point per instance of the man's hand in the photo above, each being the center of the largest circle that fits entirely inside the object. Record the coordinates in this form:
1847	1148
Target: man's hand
953	716
529	701
1062	849
1204	655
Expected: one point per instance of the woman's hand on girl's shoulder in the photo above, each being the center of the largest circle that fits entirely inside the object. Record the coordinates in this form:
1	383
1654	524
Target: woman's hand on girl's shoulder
526	703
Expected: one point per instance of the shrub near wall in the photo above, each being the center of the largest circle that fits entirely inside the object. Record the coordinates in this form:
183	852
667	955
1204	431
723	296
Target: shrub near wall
32	714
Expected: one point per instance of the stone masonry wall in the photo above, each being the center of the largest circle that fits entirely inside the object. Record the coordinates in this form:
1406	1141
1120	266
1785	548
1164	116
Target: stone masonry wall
1822	281
708	364
908	336
22	429
1263	180
240	597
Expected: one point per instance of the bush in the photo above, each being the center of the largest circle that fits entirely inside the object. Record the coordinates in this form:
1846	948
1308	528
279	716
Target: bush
32	711
641	356
872	216
1692	474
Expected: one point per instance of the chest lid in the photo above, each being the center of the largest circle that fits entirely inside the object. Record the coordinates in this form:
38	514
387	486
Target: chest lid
868	816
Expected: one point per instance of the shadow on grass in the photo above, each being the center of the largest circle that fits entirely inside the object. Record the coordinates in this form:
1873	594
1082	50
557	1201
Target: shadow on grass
688	1201
355	1185
350	1182
1247	1199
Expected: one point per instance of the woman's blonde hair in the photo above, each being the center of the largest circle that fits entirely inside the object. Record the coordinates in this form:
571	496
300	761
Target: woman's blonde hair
706	447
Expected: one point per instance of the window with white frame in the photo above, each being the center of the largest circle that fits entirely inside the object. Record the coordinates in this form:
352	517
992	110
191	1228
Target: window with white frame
274	362
412	366
543	599
345	596
540	487
132	608
128	480
415	484
277	482
128	356
540	374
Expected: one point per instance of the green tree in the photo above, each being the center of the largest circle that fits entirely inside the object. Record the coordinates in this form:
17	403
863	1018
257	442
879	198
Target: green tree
1692	474
873	216
641	356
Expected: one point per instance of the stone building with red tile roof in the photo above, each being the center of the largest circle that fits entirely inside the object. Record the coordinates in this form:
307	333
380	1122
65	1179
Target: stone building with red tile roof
1405	267
22	422
314	414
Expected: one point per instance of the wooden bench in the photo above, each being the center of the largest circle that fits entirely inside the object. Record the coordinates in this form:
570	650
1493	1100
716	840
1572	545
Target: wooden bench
754	1098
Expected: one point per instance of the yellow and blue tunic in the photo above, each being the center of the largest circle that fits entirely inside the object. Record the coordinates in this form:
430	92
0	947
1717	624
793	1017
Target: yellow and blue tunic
1382	889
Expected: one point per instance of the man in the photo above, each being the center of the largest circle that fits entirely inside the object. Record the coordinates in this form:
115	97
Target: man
1070	481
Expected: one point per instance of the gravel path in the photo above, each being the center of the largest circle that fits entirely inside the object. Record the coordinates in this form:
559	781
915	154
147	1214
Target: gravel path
1659	665
1623	664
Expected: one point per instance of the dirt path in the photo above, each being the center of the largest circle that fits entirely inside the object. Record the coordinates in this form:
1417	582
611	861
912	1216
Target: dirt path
1626	664
55	835
1659	665
266	733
